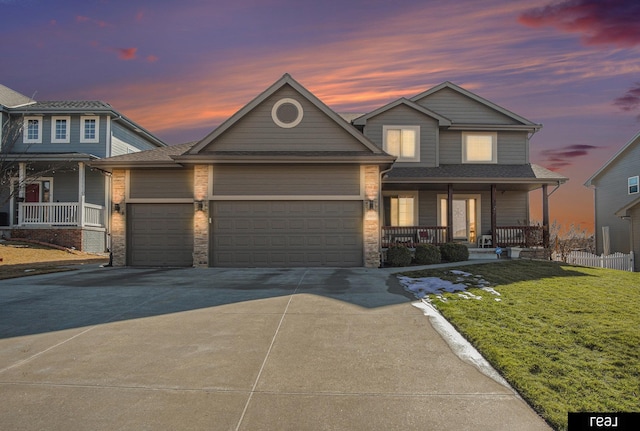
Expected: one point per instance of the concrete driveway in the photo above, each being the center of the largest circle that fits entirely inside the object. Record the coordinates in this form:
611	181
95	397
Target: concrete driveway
228	349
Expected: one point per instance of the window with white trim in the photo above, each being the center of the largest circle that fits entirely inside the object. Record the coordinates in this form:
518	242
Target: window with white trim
60	129
479	147
632	184
401	208
402	142
32	132
89	128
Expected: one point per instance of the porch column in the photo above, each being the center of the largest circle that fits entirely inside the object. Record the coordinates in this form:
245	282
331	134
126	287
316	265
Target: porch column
545	217
81	193
449	212
494	218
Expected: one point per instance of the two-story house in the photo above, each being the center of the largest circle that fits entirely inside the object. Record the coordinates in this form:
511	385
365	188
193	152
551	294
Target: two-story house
616	189
47	190
286	181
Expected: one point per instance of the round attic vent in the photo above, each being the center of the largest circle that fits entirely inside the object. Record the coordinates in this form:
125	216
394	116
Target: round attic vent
287	113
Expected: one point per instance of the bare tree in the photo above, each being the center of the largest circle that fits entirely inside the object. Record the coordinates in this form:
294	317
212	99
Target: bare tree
574	238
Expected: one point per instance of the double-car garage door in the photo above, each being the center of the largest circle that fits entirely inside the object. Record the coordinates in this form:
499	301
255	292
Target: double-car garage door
250	234
286	233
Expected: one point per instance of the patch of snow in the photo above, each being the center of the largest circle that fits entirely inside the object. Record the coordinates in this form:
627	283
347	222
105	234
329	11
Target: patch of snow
422	287
460	346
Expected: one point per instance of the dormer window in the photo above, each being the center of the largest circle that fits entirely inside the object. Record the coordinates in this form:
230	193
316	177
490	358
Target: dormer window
32	132
479	147
402	142
89	127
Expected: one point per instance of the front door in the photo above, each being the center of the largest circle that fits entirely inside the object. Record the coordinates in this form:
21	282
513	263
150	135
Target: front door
465	216
32	193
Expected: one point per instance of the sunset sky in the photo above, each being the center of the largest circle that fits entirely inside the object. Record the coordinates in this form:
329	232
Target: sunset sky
179	68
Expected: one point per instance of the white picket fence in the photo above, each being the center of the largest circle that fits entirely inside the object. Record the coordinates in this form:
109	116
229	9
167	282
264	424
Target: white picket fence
621	261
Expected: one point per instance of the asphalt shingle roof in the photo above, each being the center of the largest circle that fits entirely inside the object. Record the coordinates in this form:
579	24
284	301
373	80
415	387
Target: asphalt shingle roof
11	98
480	171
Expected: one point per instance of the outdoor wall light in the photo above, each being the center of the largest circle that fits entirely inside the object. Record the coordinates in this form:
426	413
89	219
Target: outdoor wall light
199	205
116	208
370	204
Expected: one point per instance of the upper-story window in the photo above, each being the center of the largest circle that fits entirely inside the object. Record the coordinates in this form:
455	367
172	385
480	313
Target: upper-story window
32	132
402	142
60	129
479	147
632	184
89	127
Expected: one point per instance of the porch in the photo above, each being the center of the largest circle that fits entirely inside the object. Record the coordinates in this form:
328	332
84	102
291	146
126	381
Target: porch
80	214
505	236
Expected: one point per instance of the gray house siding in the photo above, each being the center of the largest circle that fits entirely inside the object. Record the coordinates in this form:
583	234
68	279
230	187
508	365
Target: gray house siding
161	183
611	194
65	187
512	208
404	116
286	180
124	140
73	146
256	131
512	147
461	109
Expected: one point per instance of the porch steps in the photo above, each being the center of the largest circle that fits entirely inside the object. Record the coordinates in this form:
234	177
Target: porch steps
483	254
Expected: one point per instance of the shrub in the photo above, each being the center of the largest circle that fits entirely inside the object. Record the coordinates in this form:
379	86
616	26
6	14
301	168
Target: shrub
427	254
399	255
454	252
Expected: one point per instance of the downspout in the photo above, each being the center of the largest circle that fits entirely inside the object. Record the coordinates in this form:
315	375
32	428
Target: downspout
381	211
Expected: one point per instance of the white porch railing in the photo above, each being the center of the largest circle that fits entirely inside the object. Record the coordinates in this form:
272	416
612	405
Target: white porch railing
620	261
60	214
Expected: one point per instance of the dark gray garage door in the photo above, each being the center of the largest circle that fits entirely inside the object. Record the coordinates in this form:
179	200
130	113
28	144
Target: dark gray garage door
286	233
160	234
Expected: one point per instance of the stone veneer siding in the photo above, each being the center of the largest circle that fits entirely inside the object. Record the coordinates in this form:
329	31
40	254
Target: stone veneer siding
118	220
372	218
201	219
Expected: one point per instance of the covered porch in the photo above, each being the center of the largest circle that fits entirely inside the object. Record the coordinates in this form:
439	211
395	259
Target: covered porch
456	204
56	198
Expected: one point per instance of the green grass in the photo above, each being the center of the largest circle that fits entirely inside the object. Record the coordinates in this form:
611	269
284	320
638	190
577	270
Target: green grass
566	338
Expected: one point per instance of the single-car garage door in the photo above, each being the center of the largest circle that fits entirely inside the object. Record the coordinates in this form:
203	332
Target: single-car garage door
286	233
160	234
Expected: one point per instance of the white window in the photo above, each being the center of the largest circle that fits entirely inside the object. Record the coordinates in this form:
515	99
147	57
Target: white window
479	147
402	142
401	209
632	184
60	129
89	129
32	132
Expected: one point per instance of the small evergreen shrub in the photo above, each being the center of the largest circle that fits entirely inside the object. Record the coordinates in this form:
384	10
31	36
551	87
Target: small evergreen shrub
427	254
399	255
454	252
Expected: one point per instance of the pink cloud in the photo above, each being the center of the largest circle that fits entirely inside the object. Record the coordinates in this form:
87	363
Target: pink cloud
81	18
127	53
151	58
613	22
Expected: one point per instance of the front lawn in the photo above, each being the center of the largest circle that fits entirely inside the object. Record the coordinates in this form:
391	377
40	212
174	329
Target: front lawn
566	338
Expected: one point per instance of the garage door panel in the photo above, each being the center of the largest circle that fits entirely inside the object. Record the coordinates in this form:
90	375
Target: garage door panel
160	235
286	233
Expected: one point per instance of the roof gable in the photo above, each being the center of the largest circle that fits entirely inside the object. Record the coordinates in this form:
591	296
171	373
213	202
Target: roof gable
442	121
464	107
614	159
12	99
253	128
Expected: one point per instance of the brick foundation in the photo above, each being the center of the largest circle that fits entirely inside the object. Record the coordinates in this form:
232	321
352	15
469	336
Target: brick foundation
64	237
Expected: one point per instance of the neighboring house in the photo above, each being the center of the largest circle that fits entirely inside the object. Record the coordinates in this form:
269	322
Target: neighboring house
47	191
288	182
616	187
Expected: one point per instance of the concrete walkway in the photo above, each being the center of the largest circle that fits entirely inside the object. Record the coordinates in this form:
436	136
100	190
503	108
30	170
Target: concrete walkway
224	349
